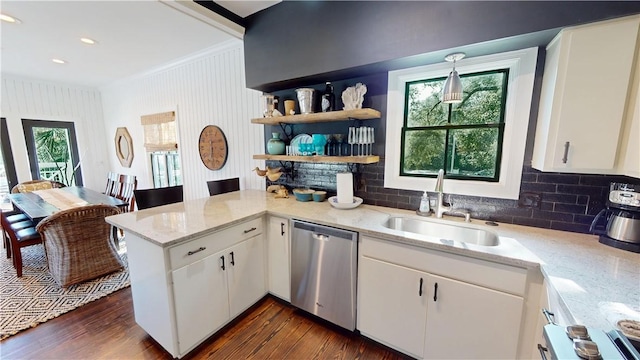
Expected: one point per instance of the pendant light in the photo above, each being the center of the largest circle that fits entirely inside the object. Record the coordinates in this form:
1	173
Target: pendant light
452	91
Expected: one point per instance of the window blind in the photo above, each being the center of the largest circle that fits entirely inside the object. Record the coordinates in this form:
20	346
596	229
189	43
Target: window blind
160	131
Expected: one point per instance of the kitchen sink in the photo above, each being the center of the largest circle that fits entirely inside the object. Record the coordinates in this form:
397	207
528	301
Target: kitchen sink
445	232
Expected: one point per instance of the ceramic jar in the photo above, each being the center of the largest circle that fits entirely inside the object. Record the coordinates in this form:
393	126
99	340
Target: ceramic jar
275	146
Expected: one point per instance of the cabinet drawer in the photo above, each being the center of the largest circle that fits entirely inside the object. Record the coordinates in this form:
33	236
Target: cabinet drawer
197	249
488	274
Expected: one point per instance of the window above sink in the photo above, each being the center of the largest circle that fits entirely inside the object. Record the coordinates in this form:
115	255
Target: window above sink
521	66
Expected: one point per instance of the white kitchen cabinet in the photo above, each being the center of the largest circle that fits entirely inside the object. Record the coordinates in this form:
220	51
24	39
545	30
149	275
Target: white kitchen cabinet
465	321
585	86
210	292
630	147
200	292
433	305
182	295
278	254
245	267
393	309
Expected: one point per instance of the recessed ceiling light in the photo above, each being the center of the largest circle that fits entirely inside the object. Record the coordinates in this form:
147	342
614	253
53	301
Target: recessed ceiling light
9	19
88	41
58	61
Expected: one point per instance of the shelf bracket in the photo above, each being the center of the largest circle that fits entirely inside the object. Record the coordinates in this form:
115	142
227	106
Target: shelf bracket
289	167
287	129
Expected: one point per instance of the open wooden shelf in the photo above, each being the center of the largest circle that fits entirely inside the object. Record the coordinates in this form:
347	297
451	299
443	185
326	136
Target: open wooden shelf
342	115
371	159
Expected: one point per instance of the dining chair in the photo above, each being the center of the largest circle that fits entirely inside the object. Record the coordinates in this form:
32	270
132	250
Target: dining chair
11	218
31	185
122	187
223	186
78	244
57	184
128	184
18	234
111	189
147	198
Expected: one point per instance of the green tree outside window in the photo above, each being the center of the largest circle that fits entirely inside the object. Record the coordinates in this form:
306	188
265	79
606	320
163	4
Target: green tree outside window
52	146
464	139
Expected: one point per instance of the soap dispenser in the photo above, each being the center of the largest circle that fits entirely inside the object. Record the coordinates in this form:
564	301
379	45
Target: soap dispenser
424	209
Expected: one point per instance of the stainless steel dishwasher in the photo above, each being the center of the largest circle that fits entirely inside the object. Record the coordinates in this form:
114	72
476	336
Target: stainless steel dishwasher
323	272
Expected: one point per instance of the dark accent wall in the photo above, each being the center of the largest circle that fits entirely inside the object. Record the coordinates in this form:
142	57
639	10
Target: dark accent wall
305	43
558	201
297	42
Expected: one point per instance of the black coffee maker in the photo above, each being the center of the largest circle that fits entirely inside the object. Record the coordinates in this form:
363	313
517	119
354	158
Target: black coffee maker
621	218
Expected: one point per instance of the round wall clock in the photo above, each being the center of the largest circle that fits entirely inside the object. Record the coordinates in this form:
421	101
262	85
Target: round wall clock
213	147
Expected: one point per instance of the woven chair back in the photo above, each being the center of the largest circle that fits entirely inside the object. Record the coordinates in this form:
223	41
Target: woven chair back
31	185
78	244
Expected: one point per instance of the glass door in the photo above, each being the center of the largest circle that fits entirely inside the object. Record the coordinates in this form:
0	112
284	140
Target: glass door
53	151
8	178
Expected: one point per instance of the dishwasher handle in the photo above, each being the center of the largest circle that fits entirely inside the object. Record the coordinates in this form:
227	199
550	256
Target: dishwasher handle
320	237
325	230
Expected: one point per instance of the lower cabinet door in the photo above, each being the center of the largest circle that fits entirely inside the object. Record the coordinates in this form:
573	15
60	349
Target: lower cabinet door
278	249
392	305
200	297
246	274
466	321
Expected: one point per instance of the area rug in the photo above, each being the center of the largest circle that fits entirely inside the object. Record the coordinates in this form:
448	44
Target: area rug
35	298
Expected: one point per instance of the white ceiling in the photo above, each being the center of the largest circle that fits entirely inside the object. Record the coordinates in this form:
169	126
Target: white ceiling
133	37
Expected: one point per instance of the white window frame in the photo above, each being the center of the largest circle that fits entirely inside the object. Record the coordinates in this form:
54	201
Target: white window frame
522	67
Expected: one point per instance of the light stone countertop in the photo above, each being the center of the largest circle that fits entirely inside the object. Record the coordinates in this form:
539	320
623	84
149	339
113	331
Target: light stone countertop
591	278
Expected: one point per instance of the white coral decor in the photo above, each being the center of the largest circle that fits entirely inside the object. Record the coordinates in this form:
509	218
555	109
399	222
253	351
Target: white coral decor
353	96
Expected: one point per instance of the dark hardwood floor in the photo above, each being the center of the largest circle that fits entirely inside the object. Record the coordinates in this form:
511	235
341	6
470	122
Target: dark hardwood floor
272	329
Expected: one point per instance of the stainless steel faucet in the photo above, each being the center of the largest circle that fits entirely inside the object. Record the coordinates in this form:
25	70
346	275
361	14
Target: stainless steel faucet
440	208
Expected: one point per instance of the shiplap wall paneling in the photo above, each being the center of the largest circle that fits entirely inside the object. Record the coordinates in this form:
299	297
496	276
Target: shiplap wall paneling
38	100
205	90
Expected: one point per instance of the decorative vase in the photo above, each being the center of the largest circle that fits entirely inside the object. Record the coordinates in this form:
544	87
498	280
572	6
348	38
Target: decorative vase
275	146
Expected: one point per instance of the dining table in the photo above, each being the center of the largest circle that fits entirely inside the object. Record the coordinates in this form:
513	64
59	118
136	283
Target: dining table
39	204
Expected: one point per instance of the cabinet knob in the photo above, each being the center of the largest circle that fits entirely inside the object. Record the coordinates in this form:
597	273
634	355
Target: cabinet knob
222	258
233	261
281	229
435	292
249	230
420	288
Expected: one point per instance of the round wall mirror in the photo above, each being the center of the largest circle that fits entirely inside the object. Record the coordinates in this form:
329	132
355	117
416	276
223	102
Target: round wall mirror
124	146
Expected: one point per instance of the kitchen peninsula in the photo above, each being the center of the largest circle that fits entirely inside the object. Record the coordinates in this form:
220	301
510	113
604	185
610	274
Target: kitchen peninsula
158	239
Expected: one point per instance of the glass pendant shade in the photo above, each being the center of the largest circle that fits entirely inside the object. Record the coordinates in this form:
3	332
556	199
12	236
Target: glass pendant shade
452	90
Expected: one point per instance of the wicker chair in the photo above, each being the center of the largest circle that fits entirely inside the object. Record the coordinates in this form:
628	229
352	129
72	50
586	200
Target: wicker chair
31	185
78	244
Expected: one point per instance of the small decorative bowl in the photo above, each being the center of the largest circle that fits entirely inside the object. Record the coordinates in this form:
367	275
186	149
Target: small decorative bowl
303	194
319	196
